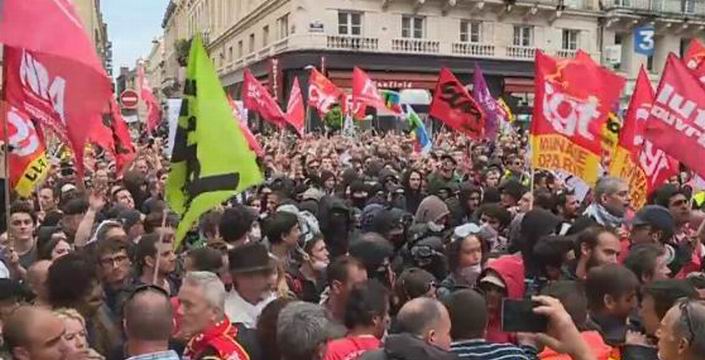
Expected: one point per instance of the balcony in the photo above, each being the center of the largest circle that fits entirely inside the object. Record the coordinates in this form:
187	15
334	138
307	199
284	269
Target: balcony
521	52
473	49
660	7
352	43
250	58
566	54
416	46
280	45
264	53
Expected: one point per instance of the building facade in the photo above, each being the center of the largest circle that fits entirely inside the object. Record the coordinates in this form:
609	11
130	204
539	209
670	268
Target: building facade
92	18
403	44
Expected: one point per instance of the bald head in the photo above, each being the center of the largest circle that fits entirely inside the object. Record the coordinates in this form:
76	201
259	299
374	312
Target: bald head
148	316
37	278
35	333
420	315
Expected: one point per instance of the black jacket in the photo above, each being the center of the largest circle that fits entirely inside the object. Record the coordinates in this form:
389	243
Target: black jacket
408	347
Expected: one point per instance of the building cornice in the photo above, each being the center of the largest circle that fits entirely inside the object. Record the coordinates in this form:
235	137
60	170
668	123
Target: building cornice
255	15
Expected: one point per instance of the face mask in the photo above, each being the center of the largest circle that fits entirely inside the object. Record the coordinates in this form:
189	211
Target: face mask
319	265
436	227
470	273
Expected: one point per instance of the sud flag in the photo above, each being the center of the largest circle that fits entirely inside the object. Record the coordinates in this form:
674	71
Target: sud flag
295	112
256	98
322	93
52	70
364	91
453	105
28	165
211	161
676	120
573	100
636	159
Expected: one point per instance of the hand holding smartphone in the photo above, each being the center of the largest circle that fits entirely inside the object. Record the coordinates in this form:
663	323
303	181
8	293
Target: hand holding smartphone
519	316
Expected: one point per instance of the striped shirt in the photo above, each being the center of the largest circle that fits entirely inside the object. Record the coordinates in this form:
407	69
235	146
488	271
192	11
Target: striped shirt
480	349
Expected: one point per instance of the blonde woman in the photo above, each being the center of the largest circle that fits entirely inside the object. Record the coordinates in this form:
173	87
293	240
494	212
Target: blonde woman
76	335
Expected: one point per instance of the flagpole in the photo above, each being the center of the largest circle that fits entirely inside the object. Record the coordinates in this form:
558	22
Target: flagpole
5	139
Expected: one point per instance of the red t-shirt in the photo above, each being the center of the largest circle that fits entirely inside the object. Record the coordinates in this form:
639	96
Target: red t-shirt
351	347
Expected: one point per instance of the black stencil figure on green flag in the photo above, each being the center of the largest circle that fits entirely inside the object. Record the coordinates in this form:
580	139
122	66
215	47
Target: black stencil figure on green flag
211	161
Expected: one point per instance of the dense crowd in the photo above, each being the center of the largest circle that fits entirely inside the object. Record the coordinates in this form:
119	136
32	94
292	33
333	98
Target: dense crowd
354	248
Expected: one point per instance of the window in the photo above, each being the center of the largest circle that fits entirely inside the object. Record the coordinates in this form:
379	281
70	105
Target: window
251	47
688	6
265	35
650	63
230	54
412	27
470	31
349	23
240	49
570	39
283	24
523	35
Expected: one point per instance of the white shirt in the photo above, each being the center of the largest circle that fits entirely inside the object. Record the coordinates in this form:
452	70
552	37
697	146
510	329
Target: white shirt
239	310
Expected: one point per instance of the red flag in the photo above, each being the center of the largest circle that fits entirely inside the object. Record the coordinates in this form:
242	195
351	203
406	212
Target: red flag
694	59
295	112
28	165
52	70
364	91
251	139
453	105
676	122
322	93
572	103
256	98
356	108
123	149
154	109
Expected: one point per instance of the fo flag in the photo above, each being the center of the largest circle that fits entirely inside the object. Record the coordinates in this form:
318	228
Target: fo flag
52	70
453	105
573	100
322	93
676	121
211	161
295	112
27	159
256	98
636	159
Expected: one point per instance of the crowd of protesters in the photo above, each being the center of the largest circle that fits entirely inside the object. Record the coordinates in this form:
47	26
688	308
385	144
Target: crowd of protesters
354	248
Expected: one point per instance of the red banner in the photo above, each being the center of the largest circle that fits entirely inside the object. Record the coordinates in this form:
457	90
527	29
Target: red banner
571	106
27	159
154	109
694	59
453	105
364	91
322	93
676	122
256	98
295	112
636	159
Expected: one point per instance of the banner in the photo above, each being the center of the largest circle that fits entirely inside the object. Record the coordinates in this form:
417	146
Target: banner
295	112
423	141
256	98
154	109
364	91
173	107
322	93
28	166
453	105
573	100
487	103
636	159
211	161
53	71
676	121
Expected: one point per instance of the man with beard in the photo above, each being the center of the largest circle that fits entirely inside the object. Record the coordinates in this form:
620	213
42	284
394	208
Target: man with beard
147	250
567	205
595	246
611	202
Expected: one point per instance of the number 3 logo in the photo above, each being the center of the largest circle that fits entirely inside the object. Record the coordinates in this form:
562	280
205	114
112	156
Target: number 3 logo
647	39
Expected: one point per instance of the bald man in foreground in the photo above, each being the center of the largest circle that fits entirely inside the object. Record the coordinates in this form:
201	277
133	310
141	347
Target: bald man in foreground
35	333
37	278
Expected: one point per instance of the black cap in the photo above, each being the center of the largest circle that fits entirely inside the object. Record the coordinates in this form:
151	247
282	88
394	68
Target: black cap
657	216
251	257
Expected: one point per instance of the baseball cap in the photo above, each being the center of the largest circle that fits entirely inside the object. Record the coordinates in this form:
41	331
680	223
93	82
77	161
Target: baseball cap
655	215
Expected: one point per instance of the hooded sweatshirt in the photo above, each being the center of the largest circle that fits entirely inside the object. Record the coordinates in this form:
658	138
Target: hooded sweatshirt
431	208
510	268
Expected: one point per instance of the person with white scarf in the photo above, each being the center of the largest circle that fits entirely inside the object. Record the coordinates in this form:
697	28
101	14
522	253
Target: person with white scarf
611	201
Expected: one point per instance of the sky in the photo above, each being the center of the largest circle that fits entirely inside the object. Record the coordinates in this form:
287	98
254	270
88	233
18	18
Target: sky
132	25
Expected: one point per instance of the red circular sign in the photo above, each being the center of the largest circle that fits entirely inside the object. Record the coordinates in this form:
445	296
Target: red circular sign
129	99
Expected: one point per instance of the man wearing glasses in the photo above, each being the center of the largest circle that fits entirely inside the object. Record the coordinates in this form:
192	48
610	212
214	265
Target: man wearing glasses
682	332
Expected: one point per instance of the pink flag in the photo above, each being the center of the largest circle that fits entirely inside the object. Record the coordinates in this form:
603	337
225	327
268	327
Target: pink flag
53	71
154	110
295	108
256	98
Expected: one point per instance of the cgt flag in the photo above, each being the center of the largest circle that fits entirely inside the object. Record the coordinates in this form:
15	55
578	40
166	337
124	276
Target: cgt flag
676	121
695	59
295	112
573	100
453	105
211	161
256	98
27	159
322	93
636	159
364	91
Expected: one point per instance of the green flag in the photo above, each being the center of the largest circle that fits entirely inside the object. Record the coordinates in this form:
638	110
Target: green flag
211	161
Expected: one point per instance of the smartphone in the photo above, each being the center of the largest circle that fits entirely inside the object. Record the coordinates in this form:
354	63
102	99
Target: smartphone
519	316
